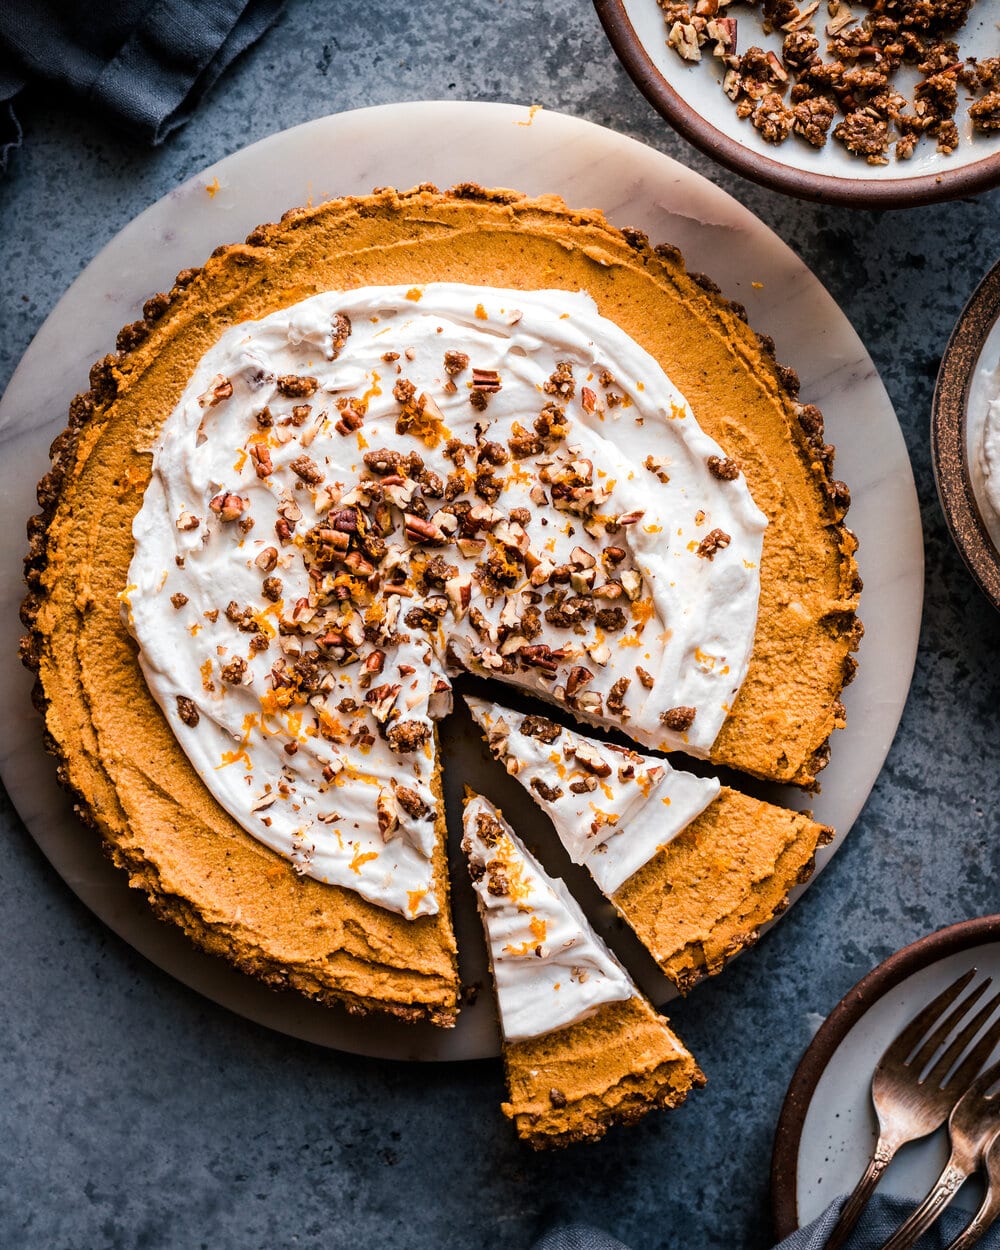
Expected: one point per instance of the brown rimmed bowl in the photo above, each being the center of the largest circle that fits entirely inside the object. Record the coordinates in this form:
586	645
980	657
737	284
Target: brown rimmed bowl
960	399
690	97
848	1015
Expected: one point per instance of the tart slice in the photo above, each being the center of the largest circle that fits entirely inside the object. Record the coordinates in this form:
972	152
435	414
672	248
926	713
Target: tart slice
695	867
583	1048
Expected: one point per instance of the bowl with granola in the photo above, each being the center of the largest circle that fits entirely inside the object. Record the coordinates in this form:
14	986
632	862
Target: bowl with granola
871	103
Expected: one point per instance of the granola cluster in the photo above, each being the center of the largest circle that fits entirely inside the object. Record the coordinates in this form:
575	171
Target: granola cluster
841	76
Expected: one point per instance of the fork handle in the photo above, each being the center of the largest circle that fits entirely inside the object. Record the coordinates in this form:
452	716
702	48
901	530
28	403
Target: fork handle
885	1150
949	1182
979	1224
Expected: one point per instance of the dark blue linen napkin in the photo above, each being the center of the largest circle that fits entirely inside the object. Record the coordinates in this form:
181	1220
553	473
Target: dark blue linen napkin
143	63
881	1218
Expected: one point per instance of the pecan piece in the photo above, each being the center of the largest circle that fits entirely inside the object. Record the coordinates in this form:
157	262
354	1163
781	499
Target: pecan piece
715	540
296	387
187	711
678	718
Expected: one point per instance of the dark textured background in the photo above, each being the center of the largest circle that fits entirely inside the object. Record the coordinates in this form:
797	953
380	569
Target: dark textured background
134	1113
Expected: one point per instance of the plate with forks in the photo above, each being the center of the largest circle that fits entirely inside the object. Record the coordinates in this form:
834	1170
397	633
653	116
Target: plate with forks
925	1023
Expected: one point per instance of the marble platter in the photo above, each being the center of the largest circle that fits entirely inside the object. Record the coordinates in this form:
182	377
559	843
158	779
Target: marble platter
535	151
691	98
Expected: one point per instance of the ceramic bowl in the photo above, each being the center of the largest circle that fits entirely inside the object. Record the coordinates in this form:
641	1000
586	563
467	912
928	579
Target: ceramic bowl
827	1127
691	98
969	378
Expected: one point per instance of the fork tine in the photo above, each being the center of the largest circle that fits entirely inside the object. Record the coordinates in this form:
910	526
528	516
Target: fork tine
967	1071
902	1046
937	1039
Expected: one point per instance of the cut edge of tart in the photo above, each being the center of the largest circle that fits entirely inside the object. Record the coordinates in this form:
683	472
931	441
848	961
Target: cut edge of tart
366	971
696	869
583	1048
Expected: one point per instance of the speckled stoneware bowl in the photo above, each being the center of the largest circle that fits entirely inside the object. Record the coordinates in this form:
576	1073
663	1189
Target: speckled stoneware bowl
968	379
691	98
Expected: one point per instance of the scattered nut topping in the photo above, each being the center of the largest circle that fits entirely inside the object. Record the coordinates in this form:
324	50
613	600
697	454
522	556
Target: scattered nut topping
549	793
307	469
178	600
234	672
272	588
227	506
261	457
486	380
340	332
542	728
187	711
407	736
411	803
592	760
455	362
715	540
723	468
678	718
294	387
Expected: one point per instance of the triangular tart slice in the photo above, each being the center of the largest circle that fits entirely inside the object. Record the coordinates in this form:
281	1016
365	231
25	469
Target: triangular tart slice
694	867
583	1048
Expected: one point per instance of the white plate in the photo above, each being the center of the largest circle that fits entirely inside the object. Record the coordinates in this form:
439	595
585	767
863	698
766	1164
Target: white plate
494	144
838	1128
691	97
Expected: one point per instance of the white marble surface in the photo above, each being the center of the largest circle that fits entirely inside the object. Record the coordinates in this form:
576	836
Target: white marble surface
536	151
840	1130
700	85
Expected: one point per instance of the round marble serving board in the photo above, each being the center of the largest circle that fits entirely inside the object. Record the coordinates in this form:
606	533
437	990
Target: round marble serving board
830	172
834	1118
537	152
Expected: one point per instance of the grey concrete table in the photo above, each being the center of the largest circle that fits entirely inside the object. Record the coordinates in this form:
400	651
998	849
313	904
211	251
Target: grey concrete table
134	1113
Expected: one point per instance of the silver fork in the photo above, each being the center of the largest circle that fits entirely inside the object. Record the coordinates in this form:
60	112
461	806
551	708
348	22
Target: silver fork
972	1125
909	1107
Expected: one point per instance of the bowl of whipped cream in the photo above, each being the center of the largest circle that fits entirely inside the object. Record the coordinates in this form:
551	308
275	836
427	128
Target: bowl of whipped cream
965	434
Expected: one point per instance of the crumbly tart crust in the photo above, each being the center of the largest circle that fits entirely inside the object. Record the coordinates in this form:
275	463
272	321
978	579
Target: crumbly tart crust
572	1084
705	896
116	753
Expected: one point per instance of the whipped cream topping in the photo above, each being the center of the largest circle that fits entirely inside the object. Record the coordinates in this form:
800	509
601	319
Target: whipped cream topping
550	969
612	808
989	447
361	494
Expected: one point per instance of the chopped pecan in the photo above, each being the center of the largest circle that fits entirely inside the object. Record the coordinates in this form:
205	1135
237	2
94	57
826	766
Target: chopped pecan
715	540
678	719
296	387
187	711
542	728
547	792
407	736
307	469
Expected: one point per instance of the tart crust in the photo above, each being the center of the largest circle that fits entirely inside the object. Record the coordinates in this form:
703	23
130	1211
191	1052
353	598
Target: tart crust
115	750
572	1084
704	896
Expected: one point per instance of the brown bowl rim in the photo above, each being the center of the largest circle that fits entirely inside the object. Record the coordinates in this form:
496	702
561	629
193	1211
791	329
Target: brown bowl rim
890	973
949	435
951	184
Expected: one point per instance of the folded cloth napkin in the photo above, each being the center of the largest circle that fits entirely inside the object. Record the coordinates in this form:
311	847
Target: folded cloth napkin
881	1218
144	63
